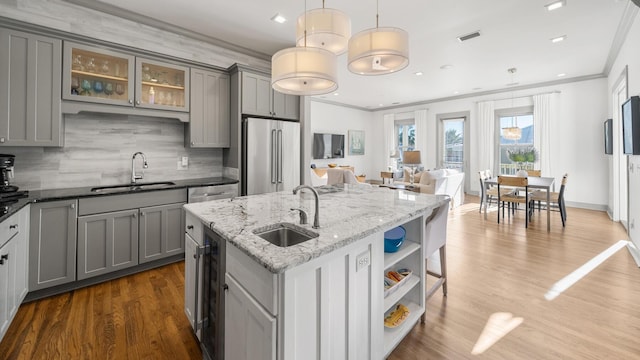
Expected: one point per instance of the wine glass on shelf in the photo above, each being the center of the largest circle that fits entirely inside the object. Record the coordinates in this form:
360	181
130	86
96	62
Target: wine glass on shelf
75	85
91	65
105	67
86	87
97	86
119	89
77	63
108	88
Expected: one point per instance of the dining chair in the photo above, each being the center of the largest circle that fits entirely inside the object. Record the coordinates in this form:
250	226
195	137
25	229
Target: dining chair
491	193
435	239
536	173
512	198
556	199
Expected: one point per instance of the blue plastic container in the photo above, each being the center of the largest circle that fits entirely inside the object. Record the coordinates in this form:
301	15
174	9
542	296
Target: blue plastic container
393	239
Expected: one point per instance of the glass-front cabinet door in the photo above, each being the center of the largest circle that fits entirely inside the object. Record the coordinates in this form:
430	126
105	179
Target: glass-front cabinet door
97	75
161	85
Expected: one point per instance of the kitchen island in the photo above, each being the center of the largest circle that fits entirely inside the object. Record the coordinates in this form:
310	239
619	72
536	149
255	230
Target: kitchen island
323	298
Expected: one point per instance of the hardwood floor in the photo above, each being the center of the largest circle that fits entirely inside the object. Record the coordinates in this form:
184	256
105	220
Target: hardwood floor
493	268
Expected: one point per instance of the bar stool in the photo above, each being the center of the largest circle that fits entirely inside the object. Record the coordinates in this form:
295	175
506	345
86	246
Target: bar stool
435	239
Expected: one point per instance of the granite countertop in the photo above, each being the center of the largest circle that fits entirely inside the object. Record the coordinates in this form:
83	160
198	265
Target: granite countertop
81	192
346	215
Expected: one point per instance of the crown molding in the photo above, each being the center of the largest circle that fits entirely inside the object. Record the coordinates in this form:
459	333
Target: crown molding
158	24
629	15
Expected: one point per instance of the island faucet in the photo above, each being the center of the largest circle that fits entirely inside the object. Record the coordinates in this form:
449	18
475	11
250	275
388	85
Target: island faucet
145	165
316	216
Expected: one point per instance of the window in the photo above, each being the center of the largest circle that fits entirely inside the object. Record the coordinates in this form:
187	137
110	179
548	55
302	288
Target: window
453	143
406	136
523	121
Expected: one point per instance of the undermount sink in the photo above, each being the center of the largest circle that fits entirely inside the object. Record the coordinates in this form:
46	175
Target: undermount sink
285	234
130	187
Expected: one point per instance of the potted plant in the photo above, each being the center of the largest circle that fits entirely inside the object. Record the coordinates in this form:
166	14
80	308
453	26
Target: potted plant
523	155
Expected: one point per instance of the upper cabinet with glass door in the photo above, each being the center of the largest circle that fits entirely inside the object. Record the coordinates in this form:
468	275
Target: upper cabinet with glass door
162	86
97	75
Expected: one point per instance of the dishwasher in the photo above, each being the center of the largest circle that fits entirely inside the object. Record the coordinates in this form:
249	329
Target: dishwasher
213	192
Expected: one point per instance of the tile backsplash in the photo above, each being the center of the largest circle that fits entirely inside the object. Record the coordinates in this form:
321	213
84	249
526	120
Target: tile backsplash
98	149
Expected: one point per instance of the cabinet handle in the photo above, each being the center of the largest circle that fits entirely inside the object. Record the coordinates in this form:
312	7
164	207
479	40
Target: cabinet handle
142	214
130	101
225	287
15	226
137	102
135	216
2	140
3	258
189	227
73	206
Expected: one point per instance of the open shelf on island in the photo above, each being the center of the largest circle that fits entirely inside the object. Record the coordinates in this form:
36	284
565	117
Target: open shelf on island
392	336
405	250
403	289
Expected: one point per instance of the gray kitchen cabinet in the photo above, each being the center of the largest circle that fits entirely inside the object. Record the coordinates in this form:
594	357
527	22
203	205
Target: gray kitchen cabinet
30	86
258	98
209	116
107	242
52	244
13	266
161	231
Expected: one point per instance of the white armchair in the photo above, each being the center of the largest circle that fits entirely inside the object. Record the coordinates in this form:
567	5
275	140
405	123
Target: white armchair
317	180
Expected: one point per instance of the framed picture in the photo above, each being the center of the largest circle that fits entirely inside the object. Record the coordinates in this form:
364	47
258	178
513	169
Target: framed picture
356	142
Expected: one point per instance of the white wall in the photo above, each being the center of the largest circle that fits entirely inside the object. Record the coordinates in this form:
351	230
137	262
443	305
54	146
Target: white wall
630	56
335	119
577	141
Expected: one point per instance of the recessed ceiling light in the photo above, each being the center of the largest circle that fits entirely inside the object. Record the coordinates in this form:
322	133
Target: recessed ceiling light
279	18
336	94
419	73
558	39
562	75
456	92
446	67
555	5
380	104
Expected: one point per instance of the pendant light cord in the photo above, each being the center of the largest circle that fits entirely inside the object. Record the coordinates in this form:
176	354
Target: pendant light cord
377	12
305	21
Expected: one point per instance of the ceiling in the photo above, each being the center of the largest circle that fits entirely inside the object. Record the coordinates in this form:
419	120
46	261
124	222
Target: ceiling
514	33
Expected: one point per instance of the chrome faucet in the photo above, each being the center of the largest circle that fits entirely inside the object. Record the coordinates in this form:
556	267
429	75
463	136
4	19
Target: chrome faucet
145	165
316	216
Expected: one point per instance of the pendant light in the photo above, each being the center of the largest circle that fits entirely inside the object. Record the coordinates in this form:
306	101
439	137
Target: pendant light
304	70
329	29
377	51
513	132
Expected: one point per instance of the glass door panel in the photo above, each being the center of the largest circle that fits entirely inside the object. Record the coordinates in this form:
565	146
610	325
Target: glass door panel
97	75
453	144
161	85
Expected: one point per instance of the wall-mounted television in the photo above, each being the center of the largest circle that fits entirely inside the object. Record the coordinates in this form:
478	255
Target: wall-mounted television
608	136
328	146
631	126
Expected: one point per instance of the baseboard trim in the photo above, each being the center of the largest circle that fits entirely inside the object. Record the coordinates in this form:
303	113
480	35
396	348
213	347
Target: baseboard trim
635	252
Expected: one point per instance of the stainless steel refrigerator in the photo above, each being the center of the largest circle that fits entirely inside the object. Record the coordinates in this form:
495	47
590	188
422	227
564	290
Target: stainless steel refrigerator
270	155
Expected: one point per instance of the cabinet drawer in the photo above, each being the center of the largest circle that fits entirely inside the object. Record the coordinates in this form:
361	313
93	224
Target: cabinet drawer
257	280
193	227
101	204
9	228
215	192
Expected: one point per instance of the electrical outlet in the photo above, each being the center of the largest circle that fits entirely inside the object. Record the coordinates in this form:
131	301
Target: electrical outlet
185	161
363	260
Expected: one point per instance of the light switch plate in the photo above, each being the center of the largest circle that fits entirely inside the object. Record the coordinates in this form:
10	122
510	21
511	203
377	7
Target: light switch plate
363	260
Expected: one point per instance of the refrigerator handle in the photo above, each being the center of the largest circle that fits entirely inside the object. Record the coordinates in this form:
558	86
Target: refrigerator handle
279	156
274	165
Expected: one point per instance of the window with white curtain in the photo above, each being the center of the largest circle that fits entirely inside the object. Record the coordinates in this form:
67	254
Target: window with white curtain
510	118
405	131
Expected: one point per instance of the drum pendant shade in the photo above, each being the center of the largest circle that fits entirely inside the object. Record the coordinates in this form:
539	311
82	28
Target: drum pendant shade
329	29
304	71
378	51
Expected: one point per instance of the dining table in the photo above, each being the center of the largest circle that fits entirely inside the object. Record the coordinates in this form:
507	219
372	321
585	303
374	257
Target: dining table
534	182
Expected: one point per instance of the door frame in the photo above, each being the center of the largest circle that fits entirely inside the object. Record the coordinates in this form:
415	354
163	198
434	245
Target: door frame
620	163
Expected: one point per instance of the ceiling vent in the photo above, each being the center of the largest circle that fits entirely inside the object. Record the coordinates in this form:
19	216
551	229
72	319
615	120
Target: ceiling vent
469	36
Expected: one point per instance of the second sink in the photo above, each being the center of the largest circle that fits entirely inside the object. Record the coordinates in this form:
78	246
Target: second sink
285	234
133	187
